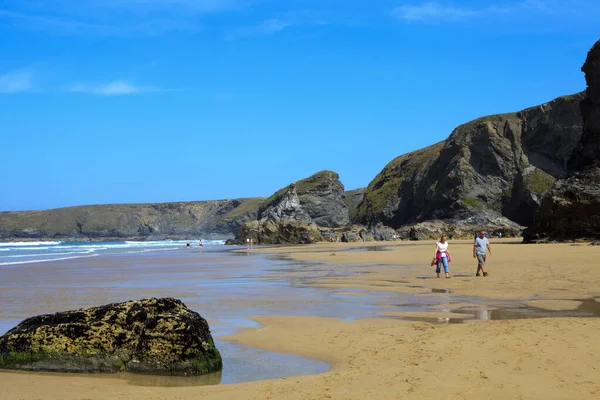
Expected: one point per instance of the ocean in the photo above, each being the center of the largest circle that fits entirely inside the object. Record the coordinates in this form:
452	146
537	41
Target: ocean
15	253
225	287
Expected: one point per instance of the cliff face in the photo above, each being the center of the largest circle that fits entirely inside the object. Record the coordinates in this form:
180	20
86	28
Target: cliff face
353	199
319	199
316	201
492	170
571	209
295	213
207	219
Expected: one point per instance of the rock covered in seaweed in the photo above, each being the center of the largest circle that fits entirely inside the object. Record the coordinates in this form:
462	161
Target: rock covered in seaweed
156	336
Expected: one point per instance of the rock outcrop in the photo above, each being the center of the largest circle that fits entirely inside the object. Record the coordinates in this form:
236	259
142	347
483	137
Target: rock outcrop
571	209
295	213
432	230
495	168
320	199
207	219
284	205
356	233
279	232
158	336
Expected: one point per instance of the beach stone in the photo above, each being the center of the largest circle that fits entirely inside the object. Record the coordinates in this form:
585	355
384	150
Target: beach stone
350	237
381	232
356	233
595	244
154	336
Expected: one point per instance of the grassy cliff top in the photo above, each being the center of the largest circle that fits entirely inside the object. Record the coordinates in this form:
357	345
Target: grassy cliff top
126	219
304	186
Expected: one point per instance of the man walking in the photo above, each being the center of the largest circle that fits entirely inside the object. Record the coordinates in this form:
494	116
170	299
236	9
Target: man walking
479	251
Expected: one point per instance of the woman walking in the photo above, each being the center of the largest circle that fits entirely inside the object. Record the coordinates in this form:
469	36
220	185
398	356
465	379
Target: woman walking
442	256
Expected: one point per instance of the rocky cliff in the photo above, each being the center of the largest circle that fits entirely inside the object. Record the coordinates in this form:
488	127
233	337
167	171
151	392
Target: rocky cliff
353	199
489	172
492	172
207	219
571	209
295	213
319	199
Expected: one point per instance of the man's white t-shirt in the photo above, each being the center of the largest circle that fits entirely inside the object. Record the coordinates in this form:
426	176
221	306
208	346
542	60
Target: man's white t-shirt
442	247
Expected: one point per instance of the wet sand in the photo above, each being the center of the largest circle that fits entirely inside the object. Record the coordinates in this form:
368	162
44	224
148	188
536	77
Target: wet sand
519	356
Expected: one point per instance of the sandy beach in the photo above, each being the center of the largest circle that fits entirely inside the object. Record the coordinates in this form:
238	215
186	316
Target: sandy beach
539	352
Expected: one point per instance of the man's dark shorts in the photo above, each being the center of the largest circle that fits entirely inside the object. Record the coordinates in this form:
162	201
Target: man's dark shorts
481	259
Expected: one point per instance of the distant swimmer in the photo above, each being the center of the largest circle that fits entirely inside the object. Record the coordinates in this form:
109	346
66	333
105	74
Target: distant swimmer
200	243
187	244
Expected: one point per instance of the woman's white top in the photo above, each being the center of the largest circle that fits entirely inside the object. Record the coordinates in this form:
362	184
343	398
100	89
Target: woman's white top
442	247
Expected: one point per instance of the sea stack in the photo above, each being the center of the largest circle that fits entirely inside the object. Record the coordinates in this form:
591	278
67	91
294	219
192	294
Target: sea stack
294	214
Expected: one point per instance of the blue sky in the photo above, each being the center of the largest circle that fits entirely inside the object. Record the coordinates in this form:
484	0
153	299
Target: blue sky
122	101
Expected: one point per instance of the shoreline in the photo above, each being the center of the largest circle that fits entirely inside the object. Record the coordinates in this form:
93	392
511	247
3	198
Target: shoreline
396	358
109	239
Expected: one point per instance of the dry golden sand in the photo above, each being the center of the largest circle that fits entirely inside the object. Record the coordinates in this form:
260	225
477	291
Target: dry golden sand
557	358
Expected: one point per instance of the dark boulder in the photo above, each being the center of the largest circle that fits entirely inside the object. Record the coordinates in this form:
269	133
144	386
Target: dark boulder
156	336
356	233
381	232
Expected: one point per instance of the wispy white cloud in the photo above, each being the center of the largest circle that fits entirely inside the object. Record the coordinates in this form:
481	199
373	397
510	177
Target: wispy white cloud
436	11
16	82
54	24
428	11
181	6
111	17
68	26
266	27
274	25
115	88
